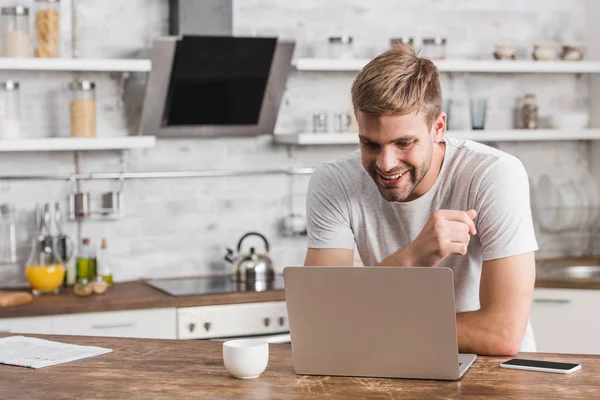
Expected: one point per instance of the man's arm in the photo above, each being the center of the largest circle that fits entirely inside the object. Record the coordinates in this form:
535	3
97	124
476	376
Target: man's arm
329	258
505	293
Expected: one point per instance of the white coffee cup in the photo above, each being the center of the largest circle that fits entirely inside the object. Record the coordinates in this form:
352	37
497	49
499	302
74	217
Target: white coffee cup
246	358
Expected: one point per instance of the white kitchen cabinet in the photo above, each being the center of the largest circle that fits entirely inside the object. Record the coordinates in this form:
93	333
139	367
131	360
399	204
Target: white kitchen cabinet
40	325
158	323
566	320
228	320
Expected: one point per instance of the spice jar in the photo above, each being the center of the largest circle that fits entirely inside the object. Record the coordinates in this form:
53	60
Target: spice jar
15	31
47	28
434	48
83	288
341	47
83	109
530	112
10	121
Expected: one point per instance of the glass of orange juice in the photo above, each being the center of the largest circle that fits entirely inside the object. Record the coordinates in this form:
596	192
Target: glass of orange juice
45	279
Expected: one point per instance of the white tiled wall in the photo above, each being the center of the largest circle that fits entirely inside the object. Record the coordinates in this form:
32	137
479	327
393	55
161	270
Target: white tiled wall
180	227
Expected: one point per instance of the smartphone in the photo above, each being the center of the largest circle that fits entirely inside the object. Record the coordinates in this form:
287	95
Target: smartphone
542	366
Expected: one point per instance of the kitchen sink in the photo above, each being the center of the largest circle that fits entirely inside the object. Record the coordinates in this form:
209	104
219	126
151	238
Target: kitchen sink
569	271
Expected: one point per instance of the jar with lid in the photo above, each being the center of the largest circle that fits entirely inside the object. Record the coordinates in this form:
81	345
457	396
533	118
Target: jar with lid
10	118
530	112
341	47
83	109
405	40
434	48
15	31
47	28
83	287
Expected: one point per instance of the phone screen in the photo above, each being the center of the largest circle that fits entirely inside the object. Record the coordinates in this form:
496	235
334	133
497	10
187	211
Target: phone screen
541	364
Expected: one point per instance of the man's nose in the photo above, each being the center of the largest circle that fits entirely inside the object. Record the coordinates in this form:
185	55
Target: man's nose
387	160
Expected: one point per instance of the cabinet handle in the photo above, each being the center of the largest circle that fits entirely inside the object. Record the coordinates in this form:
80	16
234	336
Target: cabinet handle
552	301
110	326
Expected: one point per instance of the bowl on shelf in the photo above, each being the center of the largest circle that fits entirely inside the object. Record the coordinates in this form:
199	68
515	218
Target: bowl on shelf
505	52
570	120
572	52
545	51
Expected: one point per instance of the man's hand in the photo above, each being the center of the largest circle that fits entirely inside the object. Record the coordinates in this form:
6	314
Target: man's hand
447	232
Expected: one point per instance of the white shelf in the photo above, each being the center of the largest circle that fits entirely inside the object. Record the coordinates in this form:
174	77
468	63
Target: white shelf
483	66
77	144
511	135
75	64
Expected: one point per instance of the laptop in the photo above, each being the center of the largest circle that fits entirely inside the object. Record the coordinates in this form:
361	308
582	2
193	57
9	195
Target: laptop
374	322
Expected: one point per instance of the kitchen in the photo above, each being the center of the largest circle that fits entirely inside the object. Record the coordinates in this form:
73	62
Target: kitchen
181	223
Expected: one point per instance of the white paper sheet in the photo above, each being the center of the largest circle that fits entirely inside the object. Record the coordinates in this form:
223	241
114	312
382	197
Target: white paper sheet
37	353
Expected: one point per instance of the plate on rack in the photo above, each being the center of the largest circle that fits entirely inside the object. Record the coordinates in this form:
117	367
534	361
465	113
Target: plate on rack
546	201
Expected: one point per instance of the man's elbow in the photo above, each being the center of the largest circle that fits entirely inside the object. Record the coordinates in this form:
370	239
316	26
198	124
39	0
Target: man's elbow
505	344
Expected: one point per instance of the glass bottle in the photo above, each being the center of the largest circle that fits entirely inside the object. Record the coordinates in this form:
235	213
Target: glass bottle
103	262
44	269
10	113
83	109
530	112
82	262
47	28
8	236
15	31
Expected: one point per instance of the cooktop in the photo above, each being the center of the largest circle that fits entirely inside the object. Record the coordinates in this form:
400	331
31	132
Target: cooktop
212	285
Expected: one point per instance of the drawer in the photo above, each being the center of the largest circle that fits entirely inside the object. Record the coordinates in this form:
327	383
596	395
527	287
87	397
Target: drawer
208	322
41	325
154	324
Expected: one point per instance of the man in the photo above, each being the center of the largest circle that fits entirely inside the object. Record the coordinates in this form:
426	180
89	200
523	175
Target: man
412	197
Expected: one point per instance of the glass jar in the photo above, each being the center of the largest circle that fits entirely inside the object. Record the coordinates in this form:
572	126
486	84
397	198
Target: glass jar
8	235
405	40
83	109
10	114
47	28
83	288
434	48
530	112
341	47
15	31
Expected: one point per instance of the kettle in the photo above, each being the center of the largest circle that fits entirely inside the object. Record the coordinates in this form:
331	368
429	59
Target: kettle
253	266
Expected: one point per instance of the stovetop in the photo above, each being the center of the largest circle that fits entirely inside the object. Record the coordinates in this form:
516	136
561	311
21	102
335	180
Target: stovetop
212	285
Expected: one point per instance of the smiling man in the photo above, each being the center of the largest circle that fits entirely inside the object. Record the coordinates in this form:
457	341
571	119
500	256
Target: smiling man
412	197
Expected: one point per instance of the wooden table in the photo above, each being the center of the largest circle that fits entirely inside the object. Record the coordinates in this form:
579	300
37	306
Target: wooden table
165	369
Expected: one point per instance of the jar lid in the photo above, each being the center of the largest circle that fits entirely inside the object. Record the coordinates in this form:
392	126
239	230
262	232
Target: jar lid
82	85
403	40
18	10
47	1
434	40
341	39
530	95
9	85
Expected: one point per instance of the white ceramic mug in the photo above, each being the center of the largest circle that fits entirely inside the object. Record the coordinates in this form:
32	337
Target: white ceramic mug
246	358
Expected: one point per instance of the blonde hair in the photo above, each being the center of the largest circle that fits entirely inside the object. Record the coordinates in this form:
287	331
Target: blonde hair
398	82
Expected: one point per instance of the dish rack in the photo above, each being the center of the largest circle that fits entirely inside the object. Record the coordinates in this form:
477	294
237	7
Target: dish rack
566	216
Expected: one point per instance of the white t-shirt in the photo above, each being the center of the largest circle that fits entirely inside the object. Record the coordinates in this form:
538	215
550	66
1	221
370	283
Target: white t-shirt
345	208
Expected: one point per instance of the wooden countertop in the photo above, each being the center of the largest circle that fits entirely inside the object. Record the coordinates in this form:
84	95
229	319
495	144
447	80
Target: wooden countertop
138	295
129	296
165	369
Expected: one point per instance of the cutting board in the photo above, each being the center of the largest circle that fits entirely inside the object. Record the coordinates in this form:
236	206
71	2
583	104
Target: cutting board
11	299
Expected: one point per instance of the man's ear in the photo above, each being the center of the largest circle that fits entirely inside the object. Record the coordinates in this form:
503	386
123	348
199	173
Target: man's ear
439	127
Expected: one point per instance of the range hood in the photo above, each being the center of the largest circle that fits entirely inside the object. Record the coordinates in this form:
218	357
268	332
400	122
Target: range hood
211	86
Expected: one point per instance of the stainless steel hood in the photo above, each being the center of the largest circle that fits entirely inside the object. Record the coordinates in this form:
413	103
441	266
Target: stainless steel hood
211	86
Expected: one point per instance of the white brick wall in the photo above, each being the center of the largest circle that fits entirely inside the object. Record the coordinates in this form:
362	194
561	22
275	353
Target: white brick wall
181	227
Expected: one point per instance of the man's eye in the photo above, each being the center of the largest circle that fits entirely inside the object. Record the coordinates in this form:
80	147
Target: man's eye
404	145
370	145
